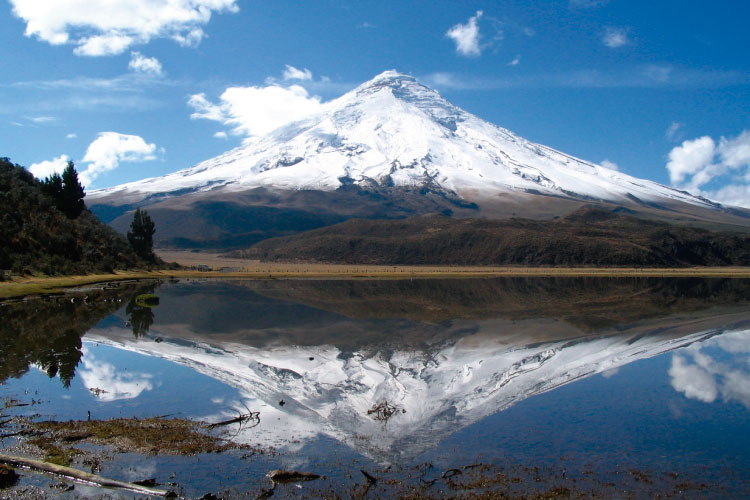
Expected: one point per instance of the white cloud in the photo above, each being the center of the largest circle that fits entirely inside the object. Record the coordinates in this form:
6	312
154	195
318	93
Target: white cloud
707	379
610	165
690	158
255	111
515	62
106	28
71	136
717	171
46	168
42	119
615	37
111	148
220	135
103	45
466	37
673	132
113	384
142	64
292	73
735	153
692	380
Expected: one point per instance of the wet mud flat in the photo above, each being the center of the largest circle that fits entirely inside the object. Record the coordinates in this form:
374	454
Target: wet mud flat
110	448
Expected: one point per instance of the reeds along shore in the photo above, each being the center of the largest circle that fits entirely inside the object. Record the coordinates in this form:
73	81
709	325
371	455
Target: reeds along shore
41	285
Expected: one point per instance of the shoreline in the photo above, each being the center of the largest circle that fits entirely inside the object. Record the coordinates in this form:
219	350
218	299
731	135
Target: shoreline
21	287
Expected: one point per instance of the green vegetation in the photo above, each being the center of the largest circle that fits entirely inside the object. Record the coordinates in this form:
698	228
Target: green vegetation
588	237
66	192
147	300
141	235
46	228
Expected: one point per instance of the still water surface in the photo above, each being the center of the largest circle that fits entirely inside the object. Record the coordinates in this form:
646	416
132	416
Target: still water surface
624	387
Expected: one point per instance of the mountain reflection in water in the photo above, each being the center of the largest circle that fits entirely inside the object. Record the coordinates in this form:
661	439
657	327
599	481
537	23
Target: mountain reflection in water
443	354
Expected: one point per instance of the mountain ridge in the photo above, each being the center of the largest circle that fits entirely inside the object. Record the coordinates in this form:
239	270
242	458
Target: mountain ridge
391	148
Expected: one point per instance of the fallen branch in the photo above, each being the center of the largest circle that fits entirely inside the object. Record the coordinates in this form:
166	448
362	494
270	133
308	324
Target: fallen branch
384	411
290	476
370	478
253	415
78	475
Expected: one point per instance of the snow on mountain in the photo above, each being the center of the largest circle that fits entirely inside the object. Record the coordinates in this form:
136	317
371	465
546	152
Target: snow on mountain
436	392
394	131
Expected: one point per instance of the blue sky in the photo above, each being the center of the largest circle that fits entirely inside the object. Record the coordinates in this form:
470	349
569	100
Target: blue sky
137	88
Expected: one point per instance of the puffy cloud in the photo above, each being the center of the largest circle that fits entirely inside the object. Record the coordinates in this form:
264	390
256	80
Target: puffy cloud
111	148
46	168
71	136
615	37
106	28
692	380
466	36
114	384
255	111
696	372
292	73
103	45
220	135
610	165
690	158
735	152
699	165
142	64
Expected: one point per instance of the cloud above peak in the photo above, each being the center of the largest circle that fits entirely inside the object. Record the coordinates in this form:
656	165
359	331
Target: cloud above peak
255	111
110	28
466	36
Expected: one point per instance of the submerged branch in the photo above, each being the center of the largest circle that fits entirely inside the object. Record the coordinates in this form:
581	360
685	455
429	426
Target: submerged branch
78	475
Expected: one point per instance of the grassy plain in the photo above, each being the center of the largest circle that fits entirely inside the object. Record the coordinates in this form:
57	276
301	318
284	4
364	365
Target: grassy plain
222	267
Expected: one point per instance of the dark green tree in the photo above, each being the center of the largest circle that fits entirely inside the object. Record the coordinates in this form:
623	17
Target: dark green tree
72	192
141	235
52	186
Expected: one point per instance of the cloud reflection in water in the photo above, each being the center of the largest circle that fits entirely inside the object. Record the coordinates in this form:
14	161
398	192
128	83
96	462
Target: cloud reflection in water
107	383
715	369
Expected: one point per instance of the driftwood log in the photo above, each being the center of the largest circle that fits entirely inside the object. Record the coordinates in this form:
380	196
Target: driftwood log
78	475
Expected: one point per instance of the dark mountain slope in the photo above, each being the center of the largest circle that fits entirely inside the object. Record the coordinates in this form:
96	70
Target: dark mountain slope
589	236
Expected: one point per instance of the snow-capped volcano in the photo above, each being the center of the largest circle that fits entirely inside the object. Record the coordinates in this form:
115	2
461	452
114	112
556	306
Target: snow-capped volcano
395	135
394	131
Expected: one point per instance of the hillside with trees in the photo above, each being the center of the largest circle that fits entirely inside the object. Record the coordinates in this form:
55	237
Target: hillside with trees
45	227
587	237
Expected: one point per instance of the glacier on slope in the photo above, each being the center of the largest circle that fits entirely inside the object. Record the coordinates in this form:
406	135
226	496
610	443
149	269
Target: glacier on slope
395	132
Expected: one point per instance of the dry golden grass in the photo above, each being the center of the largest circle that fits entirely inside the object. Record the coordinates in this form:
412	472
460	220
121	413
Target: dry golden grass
239	268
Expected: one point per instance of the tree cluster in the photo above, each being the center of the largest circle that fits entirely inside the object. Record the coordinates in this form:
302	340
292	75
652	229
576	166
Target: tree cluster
45	227
66	191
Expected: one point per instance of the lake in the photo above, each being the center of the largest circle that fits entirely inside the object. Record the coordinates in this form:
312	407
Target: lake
564	387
